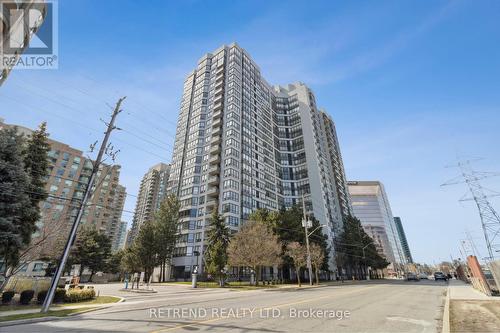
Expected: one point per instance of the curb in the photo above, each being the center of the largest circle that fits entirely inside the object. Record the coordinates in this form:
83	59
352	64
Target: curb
50	318
27	321
446	313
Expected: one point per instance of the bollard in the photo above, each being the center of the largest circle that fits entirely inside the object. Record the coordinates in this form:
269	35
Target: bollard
194	280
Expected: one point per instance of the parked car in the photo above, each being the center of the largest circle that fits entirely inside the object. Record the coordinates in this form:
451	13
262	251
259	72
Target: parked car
412	277
440	276
423	276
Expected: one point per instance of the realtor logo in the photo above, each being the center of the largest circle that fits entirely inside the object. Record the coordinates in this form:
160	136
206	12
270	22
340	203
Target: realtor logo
29	34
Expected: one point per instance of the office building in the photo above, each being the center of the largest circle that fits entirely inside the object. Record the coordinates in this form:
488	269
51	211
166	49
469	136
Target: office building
243	145
371	206
152	192
404	242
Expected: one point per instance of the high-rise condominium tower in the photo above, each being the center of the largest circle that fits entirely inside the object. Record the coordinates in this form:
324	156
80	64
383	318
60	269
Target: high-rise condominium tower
371	206
151	193
242	145
67	177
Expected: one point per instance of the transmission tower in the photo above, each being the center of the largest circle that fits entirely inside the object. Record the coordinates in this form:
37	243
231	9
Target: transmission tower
490	219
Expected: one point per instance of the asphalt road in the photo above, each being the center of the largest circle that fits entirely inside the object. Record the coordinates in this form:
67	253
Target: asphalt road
388	306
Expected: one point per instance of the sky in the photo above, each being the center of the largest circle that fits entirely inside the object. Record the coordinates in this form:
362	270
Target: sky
411	85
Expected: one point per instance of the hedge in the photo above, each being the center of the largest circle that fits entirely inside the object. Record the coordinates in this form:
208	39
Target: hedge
40	297
7	296
27	296
58	297
79	295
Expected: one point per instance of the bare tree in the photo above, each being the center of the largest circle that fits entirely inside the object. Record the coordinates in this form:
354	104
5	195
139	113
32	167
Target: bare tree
317	258
298	254
254	246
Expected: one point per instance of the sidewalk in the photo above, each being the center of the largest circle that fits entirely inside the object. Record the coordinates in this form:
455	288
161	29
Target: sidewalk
469	310
459	290
54	308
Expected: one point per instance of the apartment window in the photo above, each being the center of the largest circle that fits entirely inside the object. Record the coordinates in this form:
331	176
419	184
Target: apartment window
230	195
232	221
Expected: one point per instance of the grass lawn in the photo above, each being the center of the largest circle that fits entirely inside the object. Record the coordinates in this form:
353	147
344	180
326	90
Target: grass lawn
52	313
97	300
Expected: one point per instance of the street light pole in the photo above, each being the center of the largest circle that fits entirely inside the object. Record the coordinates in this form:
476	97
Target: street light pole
306	226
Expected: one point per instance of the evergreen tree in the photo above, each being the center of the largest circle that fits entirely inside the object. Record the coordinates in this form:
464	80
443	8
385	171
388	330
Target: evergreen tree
92	250
130	262
36	165
217	243
113	264
15	202
166	221
146	248
357	249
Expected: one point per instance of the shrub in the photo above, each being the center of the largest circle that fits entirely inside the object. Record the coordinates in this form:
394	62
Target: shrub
79	295
40	297
27	296
60	295
7	296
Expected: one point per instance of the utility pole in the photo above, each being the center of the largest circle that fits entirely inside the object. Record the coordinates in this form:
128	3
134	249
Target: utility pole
305	222
87	194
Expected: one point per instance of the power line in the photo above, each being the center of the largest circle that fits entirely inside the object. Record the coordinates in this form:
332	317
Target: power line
31	108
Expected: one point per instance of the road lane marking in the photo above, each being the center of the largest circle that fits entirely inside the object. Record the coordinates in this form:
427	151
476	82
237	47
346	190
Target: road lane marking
260	309
419	322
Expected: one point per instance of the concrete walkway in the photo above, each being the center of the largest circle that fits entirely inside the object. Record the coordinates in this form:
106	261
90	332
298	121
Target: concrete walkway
459	290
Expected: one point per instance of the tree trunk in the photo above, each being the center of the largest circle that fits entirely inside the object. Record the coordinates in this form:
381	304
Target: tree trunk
163	279
317	276
298	277
257	277
91	275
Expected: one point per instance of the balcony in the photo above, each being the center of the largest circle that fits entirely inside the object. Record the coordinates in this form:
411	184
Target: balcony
217	122
213	180
211	203
214	159
217	114
216	131
215	149
218	97
214	170
213	191
218	105
215	140
219	89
